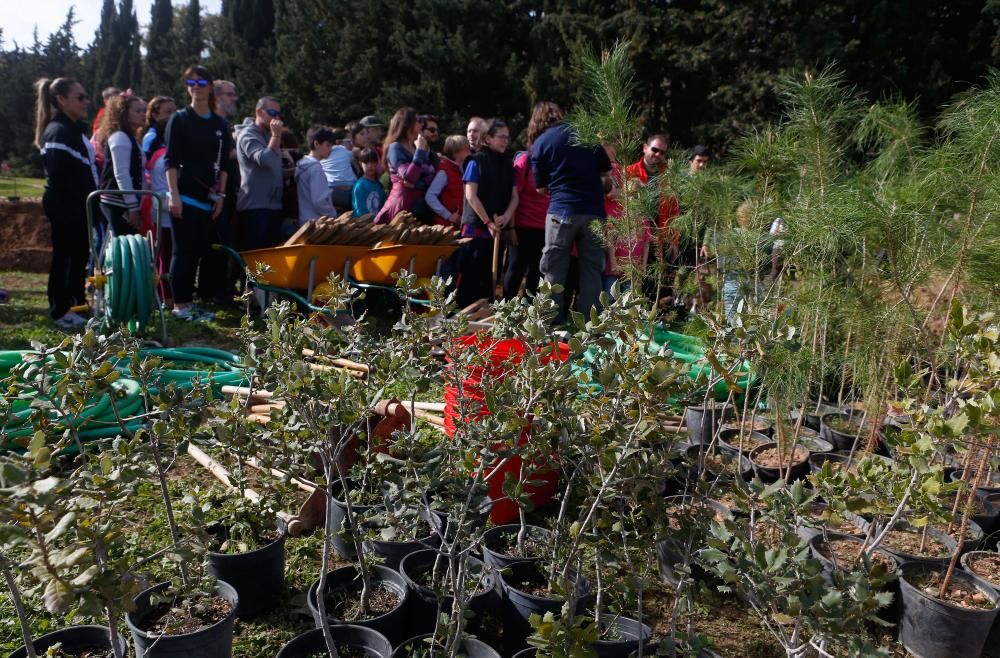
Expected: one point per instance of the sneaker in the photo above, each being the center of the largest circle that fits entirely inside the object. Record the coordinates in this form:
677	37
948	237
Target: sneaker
70	321
192	314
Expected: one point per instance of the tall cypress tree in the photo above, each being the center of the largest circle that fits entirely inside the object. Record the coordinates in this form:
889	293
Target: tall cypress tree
189	40
158	66
128	71
102	58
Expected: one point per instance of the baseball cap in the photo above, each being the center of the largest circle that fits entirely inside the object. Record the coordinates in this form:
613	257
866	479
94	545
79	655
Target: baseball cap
371	121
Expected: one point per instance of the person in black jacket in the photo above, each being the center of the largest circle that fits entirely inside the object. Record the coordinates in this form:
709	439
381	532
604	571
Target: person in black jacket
198	145
70	175
490	201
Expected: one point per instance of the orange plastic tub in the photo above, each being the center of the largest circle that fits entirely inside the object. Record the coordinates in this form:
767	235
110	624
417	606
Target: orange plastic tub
380	263
290	265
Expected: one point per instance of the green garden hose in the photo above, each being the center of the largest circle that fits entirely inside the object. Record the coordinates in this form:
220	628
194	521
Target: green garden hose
129	290
183	365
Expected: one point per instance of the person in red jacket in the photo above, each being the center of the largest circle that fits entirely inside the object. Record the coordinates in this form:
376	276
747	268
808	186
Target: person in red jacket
446	193
666	242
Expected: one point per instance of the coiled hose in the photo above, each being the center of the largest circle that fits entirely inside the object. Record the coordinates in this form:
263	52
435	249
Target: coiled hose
98	419
129	291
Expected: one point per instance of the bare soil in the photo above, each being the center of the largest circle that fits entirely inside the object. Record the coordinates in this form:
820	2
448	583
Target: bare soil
25	236
902	541
346	605
758	425
775	457
840	525
186	616
847	552
986	566
959	593
507	545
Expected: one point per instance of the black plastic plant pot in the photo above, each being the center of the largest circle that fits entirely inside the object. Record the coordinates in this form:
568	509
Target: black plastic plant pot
470	648
798	469
948	542
840	440
993	640
338	516
424	604
346	636
703	421
74	640
814	415
931	628
347	580
992	486
215	641
730	438
814	444
257	576
696	454
829	565
520	604
392	552
627	634
494	537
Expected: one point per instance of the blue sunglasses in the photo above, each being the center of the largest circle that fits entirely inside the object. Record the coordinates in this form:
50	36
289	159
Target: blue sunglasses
197	83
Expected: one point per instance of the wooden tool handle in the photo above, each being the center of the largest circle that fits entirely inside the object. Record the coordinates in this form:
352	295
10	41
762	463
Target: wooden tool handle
245	392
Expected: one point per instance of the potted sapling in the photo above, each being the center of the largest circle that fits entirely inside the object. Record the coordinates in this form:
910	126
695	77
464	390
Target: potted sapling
324	424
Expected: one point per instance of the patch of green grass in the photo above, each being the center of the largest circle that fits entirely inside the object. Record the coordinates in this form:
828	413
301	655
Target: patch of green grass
25	319
22	187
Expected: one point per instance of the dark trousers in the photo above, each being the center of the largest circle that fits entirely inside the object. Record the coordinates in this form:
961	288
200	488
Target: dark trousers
562	232
524	258
68	271
259	228
475	272
194	233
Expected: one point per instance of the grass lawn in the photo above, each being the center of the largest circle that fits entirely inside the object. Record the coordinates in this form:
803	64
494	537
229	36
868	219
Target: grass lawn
21	187
25	319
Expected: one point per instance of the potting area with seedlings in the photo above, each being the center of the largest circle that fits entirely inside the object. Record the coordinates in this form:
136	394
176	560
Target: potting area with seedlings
807	466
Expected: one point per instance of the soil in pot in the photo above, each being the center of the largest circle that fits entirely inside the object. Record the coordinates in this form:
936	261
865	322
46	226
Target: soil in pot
501	549
913	542
846	553
759	424
986	566
774	457
181	616
345	604
961	593
225	542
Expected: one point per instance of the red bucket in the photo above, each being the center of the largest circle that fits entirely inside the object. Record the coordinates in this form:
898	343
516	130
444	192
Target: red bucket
503	353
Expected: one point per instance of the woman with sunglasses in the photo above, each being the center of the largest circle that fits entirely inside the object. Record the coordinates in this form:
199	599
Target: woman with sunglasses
70	176
407	156
198	143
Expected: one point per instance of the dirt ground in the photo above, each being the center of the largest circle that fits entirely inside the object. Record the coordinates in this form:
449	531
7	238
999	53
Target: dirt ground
24	236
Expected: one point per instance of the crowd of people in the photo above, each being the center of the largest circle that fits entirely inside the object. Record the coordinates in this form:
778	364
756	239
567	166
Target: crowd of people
527	216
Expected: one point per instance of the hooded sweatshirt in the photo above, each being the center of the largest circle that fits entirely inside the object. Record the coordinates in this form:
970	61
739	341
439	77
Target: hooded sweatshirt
314	192
260	169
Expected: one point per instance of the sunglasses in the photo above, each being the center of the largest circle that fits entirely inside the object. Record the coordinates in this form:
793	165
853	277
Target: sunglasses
274	114
431	130
83	98
658	151
197	83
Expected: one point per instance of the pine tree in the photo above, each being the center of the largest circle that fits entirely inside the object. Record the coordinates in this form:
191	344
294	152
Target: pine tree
158	67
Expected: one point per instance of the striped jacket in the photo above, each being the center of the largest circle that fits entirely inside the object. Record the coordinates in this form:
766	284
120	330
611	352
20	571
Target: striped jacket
70	170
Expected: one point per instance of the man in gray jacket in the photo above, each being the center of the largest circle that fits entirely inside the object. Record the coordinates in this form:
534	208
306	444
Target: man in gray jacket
258	150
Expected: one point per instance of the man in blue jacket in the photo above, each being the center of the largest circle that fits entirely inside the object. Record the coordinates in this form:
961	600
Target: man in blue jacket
571	172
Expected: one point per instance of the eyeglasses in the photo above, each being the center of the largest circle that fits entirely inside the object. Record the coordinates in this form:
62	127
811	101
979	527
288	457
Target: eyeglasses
197	83
657	151
431	130
500	136
271	112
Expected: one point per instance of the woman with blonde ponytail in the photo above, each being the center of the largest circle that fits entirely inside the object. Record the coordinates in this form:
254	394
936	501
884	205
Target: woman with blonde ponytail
70	176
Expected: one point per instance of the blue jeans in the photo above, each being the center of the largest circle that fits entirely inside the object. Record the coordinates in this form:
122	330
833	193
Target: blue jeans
561	233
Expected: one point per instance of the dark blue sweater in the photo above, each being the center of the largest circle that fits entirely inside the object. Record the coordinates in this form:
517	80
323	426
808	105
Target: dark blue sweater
571	172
